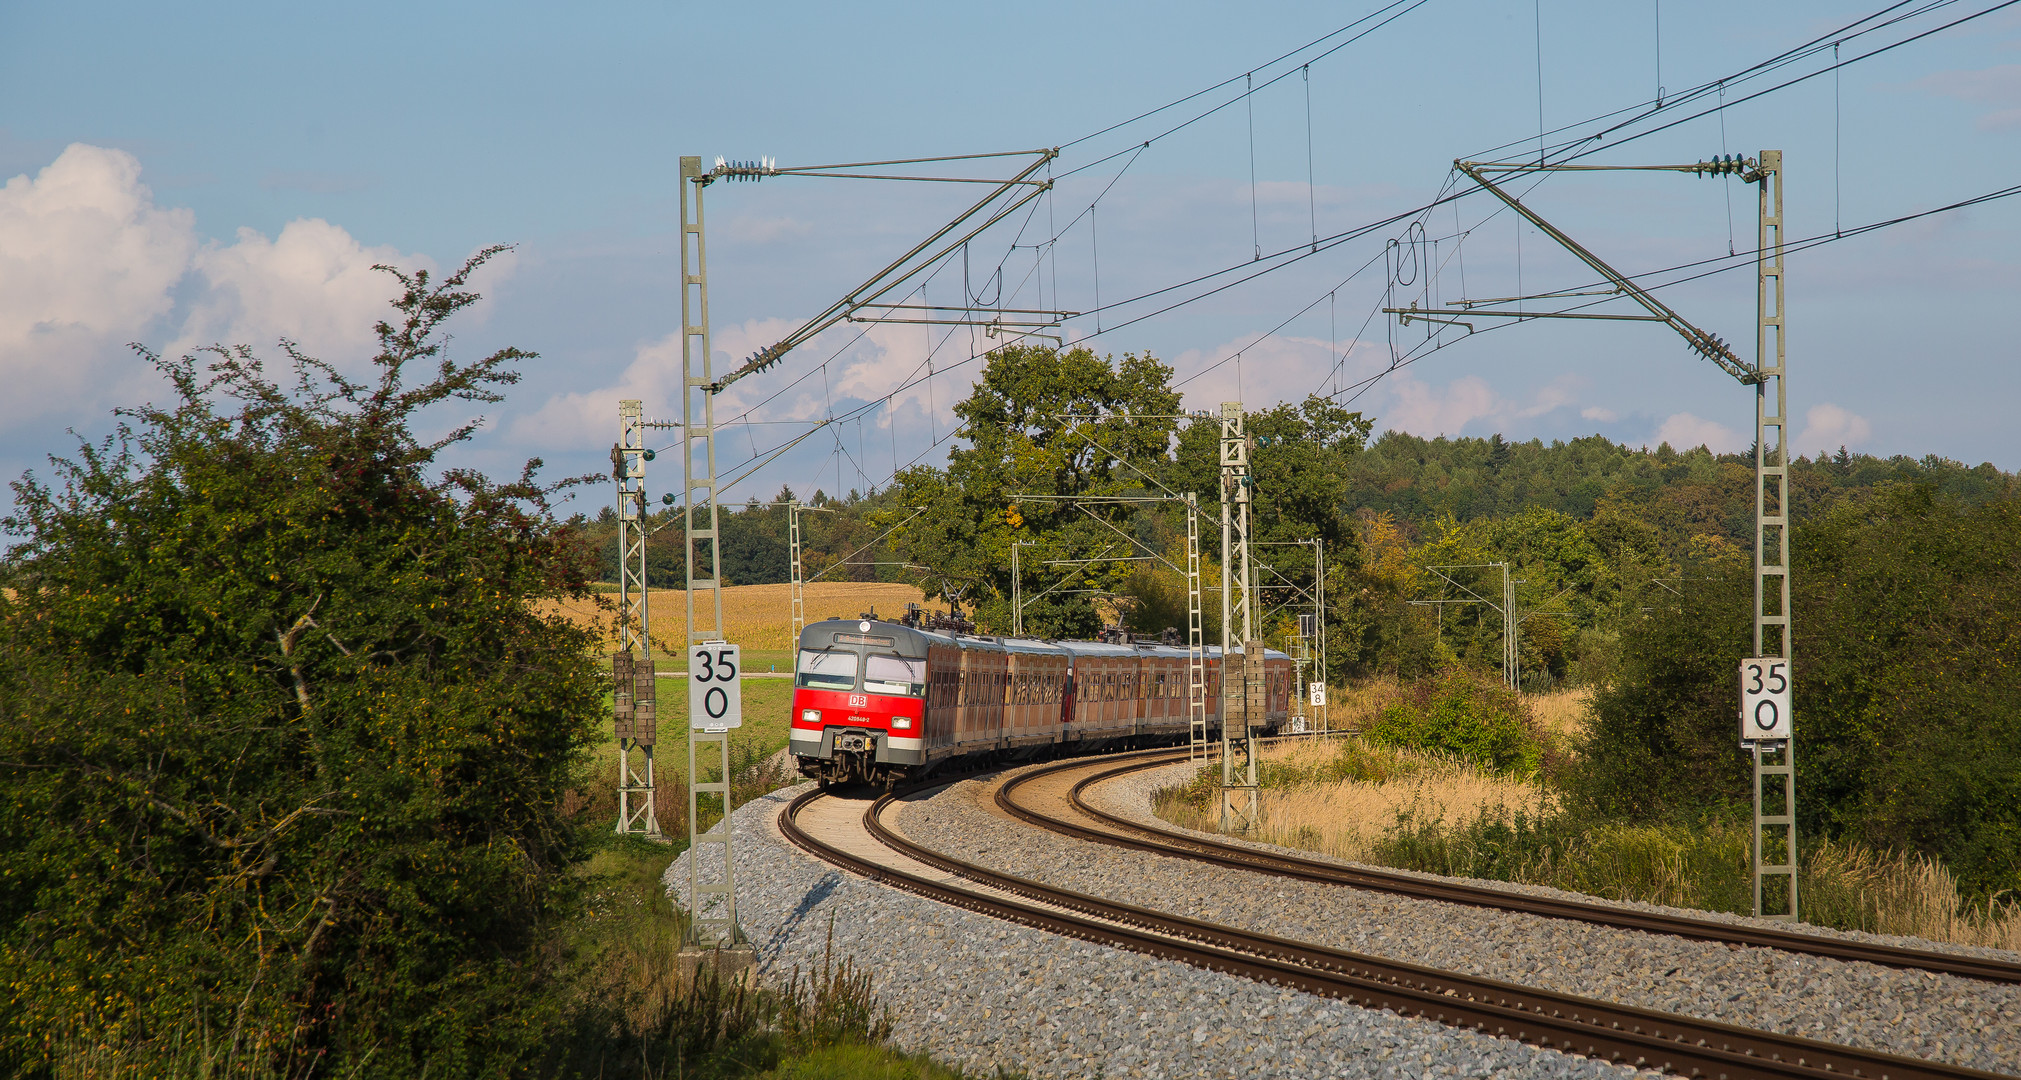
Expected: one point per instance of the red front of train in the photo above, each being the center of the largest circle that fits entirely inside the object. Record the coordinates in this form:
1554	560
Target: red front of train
859	700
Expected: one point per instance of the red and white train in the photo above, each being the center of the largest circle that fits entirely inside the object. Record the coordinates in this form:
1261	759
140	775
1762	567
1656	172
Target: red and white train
883	702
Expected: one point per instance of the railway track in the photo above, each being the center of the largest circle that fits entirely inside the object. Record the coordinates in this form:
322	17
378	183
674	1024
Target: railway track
1049	790
846	833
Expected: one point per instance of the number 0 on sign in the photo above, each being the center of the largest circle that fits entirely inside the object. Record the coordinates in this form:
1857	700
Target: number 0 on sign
1764	698
715	695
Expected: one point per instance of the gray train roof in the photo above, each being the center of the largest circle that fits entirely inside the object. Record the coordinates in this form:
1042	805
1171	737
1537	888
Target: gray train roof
907	641
1033	645
828	633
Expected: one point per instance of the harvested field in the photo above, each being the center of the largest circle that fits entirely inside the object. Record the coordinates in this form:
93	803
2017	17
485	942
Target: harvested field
755	616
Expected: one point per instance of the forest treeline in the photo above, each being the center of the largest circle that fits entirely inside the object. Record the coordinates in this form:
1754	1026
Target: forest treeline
1595	531
1631	567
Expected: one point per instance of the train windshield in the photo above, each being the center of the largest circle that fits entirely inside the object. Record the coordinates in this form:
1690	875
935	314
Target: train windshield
894	675
827	670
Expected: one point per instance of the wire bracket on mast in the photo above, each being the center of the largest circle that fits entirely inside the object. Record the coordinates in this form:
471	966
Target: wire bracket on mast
1006	196
1708	345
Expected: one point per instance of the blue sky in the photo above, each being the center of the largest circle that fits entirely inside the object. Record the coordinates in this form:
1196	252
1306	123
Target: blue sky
184	175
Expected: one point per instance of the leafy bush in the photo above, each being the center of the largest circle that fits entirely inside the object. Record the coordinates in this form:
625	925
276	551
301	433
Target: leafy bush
285	740
1685	867
1906	697
1464	714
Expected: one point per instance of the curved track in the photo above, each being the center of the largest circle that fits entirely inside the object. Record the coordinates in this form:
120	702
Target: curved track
1053	797
821	823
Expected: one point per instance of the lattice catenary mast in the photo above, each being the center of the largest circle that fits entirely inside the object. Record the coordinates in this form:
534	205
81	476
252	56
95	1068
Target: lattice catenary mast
1774	760
712	893
632	674
1241	682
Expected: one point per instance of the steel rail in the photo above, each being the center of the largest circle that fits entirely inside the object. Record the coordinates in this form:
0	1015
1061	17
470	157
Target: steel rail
1617	1033
1141	837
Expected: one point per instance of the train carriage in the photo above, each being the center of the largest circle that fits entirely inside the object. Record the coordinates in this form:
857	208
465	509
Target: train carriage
881	701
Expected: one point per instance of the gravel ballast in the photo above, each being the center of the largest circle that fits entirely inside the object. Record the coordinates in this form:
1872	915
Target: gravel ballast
983	993
1918	1014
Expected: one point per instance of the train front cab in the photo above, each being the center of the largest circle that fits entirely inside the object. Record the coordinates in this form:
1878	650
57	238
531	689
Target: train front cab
859	700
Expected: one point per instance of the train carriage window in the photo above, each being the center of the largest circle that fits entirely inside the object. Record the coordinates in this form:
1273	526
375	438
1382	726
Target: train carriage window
823	670
894	675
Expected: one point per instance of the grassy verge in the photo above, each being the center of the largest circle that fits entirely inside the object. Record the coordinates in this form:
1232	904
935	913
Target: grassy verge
1413	810
764	733
631	1017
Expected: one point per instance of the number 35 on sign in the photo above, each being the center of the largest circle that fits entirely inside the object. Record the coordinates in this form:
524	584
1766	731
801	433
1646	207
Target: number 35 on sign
1764	699
715	696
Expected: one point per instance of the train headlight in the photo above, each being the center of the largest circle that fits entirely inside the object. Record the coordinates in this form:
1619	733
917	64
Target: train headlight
812	716
901	723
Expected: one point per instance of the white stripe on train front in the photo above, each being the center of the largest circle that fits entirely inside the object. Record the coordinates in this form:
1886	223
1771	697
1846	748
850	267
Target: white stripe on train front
895	742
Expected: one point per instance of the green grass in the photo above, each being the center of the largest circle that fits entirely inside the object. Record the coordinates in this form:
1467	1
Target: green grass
764	732
632	1018
859	1062
1703	867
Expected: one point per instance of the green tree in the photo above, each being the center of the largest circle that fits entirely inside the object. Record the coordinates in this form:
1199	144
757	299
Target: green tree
1041	422
285	739
1906	693
1302	455
1908	671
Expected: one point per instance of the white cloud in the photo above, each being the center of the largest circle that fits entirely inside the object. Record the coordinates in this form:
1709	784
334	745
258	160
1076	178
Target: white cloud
89	262
1998	87
1602	415
1267	370
1283	368
1466	402
313	284
1683	431
587	418
863	368
1827	427
1421	410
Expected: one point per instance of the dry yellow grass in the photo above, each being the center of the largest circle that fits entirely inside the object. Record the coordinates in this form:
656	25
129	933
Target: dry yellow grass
754	616
1305	805
1355	707
1913	895
1343	818
1561	713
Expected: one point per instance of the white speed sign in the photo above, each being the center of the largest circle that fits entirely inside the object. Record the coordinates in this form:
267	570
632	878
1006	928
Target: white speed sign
1764	698
715	695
